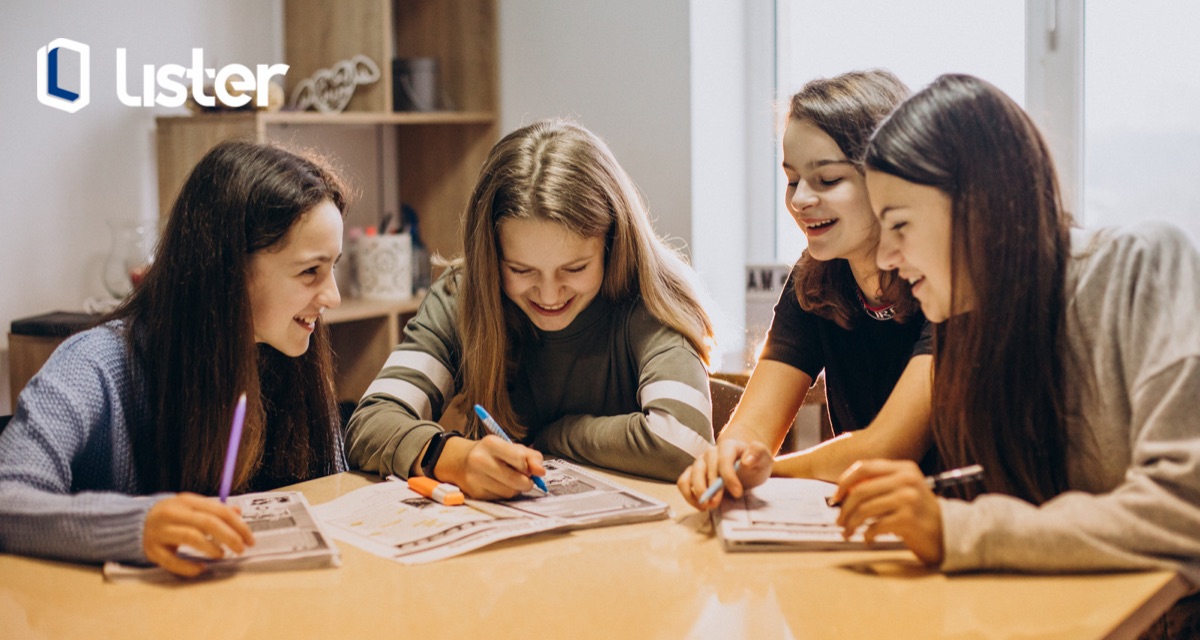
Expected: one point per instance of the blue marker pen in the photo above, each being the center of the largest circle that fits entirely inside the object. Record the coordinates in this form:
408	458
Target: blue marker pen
492	426
719	483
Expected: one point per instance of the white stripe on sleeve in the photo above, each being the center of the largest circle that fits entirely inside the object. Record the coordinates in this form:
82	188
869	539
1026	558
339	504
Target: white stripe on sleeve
426	365
666	427
678	391
404	391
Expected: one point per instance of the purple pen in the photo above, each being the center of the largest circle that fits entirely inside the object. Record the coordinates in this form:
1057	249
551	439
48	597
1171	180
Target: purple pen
235	440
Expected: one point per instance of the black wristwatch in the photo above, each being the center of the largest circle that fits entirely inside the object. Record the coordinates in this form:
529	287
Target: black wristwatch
434	451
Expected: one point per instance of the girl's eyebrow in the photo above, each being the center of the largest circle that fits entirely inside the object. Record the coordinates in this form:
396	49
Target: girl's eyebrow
572	263
323	258
888	209
816	164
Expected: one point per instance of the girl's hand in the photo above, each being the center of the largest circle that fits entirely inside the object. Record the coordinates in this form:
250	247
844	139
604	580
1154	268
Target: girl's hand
196	521
718	461
495	469
890	496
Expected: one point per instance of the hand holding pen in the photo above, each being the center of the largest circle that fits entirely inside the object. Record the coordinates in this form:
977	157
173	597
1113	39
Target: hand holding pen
731	466
940	481
893	496
495	428
208	526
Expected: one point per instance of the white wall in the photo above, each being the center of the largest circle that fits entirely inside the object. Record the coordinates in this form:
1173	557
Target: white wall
619	67
665	83
62	176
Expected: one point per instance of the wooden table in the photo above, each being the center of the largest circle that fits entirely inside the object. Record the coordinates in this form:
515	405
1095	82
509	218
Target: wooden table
664	579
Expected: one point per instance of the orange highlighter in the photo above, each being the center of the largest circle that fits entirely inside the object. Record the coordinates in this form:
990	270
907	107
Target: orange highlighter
442	492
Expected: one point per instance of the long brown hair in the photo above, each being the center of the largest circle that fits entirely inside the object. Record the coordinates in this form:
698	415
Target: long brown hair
191	331
847	107
998	392
558	171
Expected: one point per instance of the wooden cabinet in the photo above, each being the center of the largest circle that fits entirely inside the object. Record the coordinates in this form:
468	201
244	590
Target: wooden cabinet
26	355
363	333
428	160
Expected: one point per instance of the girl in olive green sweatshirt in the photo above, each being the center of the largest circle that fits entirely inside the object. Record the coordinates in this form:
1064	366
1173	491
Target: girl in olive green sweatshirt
567	318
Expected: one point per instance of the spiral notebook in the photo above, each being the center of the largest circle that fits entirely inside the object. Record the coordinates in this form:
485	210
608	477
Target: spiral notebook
787	513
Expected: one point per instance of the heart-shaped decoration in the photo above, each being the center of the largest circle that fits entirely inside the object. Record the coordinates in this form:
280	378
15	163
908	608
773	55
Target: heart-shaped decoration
330	90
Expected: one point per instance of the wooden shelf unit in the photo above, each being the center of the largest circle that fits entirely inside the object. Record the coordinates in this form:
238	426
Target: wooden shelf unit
363	334
427	160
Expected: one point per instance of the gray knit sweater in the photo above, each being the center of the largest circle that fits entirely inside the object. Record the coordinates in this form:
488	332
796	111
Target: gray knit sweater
68	483
67	476
1133	363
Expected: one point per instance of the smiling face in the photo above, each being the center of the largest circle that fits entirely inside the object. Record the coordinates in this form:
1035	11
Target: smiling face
827	195
916	241
291	283
548	271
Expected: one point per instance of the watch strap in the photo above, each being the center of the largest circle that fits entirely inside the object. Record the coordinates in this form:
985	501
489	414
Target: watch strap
433	452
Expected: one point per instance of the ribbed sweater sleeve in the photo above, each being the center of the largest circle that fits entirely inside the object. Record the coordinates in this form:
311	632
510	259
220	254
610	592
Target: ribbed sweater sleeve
397	415
674	424
66	465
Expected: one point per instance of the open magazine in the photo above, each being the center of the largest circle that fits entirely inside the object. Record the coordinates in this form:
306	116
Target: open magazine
286	536
390	520
787	513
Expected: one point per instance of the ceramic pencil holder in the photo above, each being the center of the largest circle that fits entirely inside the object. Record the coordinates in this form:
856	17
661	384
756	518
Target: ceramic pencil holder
384	266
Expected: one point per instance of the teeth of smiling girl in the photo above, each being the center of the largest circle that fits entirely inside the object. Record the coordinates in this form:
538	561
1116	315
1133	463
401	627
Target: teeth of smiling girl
309	320
824	223
549	308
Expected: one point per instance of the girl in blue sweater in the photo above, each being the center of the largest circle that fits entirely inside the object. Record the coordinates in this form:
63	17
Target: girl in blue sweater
115	441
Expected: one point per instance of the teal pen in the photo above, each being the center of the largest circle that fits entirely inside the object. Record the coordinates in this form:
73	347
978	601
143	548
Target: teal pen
719	484
490	423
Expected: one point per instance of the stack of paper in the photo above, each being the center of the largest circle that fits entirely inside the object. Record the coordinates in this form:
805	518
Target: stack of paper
787	513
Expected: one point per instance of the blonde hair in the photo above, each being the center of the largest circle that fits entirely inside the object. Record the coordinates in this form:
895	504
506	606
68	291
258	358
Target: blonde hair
558	171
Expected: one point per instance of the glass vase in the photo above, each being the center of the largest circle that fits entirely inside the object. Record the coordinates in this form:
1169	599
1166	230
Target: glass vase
130	256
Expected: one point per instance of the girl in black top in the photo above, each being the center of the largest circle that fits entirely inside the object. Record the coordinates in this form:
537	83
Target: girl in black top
839	313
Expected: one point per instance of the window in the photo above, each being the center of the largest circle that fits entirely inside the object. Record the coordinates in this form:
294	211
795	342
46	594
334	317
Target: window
1111	84
918	40
1141	146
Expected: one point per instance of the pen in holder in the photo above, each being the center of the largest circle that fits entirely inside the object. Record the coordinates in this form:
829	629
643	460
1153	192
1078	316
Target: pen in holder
384	266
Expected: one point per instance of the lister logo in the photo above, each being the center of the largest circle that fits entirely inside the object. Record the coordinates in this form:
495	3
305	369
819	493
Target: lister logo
52	86
174	93
165	86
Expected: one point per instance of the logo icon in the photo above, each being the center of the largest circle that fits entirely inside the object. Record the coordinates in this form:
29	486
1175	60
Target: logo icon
55	90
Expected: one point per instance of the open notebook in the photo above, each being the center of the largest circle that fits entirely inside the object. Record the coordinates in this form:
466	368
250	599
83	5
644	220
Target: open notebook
390	520
787	513
286	536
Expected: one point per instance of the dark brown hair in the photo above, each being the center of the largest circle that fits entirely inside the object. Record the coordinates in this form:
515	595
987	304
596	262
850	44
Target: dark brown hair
847	108
998	393
191	331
